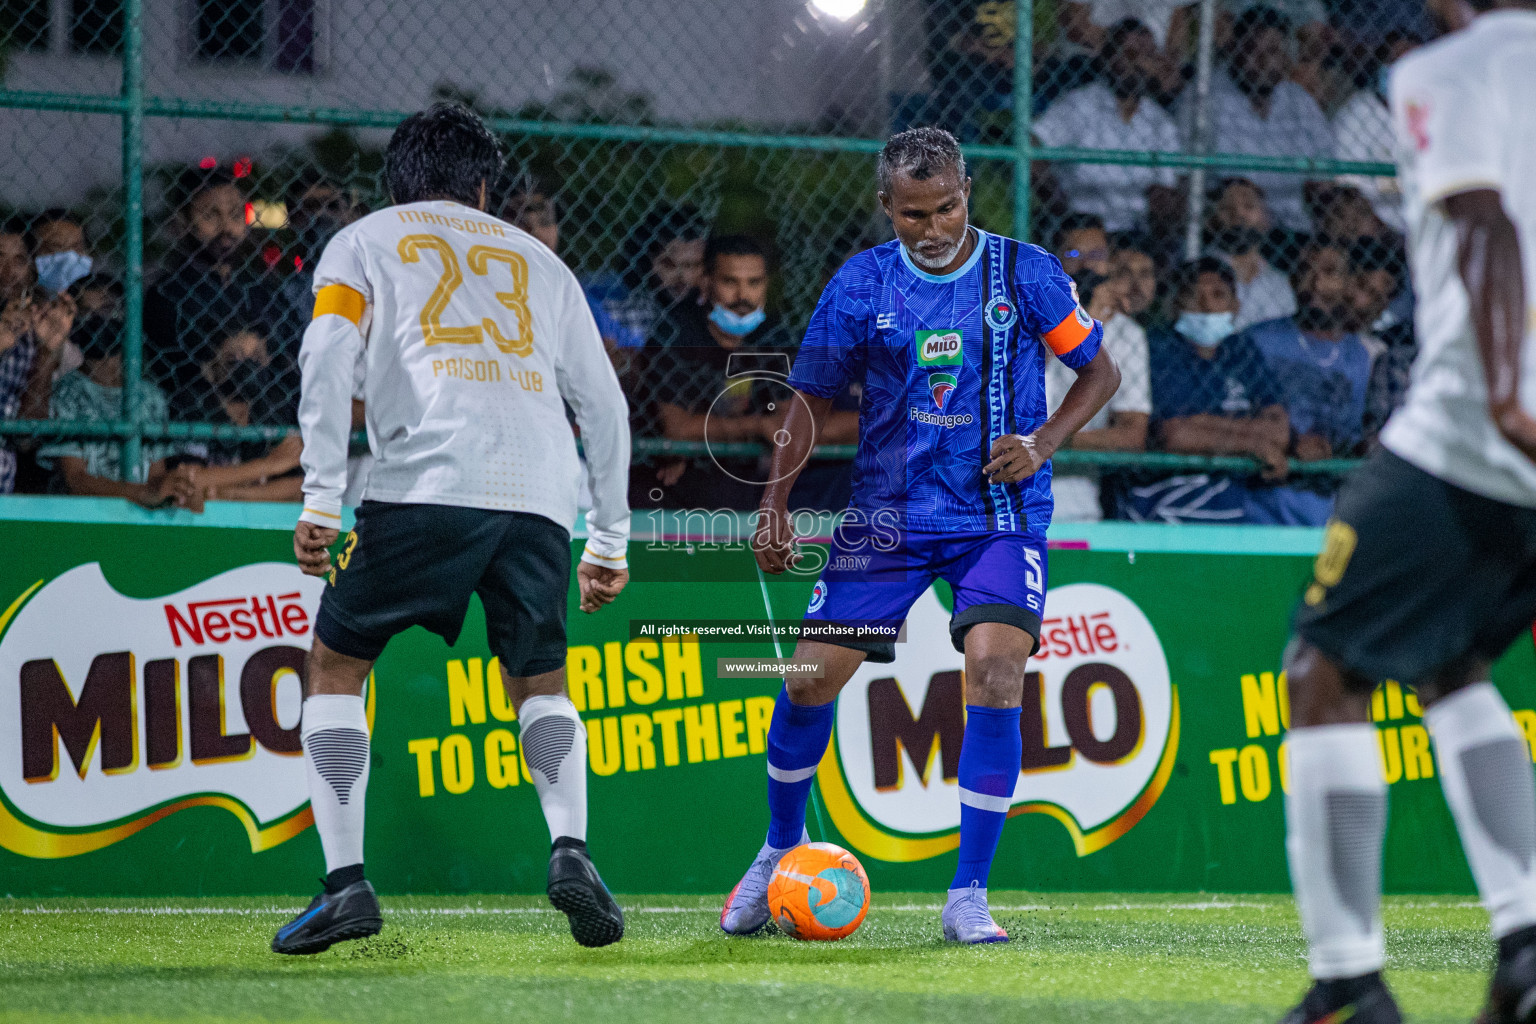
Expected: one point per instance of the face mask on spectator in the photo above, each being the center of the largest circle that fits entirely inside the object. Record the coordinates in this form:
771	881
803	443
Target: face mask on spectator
1239	239
58	270
97	337
737	325
1205	329
247	380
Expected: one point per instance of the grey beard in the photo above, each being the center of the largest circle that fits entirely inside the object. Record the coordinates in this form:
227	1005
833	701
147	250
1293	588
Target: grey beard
936	262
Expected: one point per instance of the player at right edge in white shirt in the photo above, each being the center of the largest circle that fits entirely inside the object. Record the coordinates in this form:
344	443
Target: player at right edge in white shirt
473	338
1428	568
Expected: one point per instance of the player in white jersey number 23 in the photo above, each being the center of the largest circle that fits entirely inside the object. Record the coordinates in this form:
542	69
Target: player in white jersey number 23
473	338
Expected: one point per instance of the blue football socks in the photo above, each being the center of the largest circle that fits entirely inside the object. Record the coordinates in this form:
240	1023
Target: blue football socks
797	739
989	768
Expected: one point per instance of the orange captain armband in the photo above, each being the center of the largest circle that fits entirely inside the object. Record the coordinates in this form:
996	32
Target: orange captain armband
340	300
1069	334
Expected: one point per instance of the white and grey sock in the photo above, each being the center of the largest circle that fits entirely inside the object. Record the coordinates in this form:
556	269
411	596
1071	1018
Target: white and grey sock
335	738
555	747
1336	820
1485	770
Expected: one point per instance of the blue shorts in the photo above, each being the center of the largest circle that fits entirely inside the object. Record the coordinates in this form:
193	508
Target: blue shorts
875	573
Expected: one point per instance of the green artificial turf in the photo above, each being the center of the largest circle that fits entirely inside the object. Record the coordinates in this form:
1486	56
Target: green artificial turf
1074	958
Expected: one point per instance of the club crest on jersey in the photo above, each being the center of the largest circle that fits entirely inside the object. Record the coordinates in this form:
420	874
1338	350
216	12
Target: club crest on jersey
939	386
1001	314
940	348
818	597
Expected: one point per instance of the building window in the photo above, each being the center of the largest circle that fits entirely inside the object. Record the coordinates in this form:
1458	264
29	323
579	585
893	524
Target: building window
24	24
96	26
279	35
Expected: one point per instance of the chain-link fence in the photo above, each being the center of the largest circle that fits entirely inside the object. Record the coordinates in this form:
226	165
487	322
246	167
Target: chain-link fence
173	168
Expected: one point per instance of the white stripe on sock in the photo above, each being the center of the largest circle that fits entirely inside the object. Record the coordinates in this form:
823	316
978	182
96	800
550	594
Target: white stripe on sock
984	801
791	774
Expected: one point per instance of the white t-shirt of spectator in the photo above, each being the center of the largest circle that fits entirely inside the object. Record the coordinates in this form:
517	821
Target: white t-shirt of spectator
1090	117
1464	119
1077	491
1157	15
1362	130
1295	127
1267	297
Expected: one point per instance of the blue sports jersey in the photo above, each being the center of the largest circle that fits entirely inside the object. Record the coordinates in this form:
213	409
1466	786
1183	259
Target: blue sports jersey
949	365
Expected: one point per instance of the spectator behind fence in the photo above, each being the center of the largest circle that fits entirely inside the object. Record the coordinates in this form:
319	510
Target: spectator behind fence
241	384
691	392
15	259
1383	314
94	393
1212	394
528	205
1081	243
34	327
1362	130
208	292
1134	272
1116	113
662	266
1120	426
61	253
1256	109
1324	370
1240	226
318	207
1089	24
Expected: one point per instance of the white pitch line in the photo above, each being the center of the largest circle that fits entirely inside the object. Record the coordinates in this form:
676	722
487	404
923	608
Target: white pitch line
507	911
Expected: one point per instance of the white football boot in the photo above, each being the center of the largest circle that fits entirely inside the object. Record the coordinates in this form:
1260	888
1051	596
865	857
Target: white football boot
967	919
746	908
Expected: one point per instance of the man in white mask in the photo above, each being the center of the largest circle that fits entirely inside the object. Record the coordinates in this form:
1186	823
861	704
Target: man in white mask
1212	394
689	386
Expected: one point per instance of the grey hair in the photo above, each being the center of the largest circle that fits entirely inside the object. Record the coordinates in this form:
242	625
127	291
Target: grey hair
919	153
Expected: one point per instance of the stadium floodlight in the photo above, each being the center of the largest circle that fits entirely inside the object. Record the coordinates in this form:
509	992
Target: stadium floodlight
842	10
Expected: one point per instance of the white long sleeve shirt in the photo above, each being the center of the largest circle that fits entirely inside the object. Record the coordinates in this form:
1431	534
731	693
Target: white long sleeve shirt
471	333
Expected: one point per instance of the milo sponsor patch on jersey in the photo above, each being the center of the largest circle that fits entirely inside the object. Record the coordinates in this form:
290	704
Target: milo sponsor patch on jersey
940	348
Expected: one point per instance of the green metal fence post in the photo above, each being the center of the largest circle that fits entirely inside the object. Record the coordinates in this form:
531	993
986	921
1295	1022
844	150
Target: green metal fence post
1023	103
133	234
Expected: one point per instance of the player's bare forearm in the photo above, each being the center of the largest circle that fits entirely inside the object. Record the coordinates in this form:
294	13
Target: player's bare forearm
1488	257
1096	384
773	542
802	430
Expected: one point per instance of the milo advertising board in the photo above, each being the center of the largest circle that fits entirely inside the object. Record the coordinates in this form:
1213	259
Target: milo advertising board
151	677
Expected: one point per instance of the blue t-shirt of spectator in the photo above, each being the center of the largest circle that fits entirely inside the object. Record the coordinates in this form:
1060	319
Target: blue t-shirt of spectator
1324	382
1234	382
1325	385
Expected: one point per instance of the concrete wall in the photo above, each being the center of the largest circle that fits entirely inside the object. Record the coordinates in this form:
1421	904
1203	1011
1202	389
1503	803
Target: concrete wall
768	62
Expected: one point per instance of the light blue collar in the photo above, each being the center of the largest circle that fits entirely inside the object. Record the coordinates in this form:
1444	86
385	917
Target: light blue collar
954	275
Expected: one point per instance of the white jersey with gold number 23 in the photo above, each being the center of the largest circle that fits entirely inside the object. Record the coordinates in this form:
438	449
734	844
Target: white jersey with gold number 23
473	337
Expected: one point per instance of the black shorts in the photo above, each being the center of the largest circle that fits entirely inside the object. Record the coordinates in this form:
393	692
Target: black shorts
1417	576
416	565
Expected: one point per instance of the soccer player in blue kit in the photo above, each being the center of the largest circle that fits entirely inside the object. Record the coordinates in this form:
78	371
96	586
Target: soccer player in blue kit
947	327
